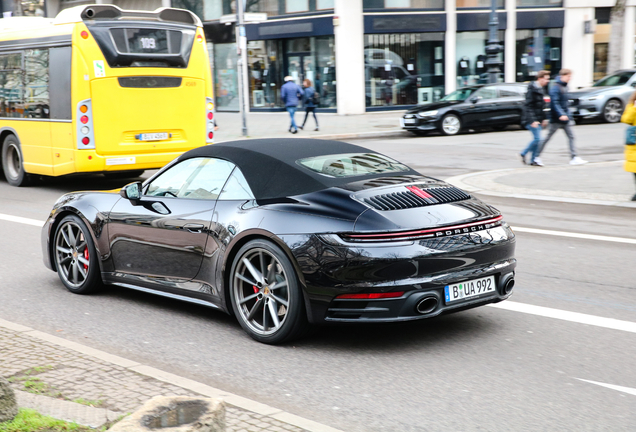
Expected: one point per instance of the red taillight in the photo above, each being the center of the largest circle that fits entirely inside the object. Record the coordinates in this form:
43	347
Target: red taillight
210	116
85	140
84	119
371	295
199	38
84	34
210	135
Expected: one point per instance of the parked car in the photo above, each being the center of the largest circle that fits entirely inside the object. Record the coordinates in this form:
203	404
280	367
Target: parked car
285	232
606	99
489	105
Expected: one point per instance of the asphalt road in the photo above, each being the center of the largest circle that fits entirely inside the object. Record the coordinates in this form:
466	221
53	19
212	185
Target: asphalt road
485	369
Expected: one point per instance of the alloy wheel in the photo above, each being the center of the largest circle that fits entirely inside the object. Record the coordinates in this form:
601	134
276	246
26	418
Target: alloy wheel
261	291
72	254
451	125
612	111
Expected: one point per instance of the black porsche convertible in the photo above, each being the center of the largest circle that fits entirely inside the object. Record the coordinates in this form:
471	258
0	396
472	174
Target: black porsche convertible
284	233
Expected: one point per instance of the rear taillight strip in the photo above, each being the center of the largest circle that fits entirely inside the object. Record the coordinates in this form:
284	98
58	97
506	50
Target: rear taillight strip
209	120
429	233
84	120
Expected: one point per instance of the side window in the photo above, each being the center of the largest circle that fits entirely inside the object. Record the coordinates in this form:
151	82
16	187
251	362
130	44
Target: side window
236	188
509	92
11	74
36	84
487	93
197	178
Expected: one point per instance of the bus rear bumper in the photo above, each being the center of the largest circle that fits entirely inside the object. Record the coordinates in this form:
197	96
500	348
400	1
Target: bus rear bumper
90	161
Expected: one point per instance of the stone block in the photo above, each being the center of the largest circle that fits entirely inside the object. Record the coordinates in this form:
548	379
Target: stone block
8	403
175	414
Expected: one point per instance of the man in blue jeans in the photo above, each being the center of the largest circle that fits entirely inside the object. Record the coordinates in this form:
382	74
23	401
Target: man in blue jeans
290	93
534	116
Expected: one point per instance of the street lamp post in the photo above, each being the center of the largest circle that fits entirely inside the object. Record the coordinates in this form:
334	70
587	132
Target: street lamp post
241	46
493	48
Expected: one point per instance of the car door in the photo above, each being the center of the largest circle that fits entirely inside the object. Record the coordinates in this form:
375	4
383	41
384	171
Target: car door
480	105
161	239
509	104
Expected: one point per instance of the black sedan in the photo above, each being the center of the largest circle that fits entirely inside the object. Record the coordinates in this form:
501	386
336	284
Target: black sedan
491	105
284	233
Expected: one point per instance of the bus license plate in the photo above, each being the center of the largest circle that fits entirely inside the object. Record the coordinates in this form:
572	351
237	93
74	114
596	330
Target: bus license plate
469	289
158	136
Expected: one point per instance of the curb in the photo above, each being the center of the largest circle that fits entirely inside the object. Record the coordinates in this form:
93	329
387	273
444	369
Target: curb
341	136
188	384
540	195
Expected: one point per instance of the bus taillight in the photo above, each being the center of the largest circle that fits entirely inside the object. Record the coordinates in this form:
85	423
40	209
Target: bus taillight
84	129
209	112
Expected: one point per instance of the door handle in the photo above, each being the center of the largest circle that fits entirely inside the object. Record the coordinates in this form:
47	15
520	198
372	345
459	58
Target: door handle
193	228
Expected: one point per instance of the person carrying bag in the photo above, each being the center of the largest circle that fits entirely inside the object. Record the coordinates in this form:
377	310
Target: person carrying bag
629	117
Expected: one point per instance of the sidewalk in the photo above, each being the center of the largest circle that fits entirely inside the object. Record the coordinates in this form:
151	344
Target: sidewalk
601	183
73	382
332	126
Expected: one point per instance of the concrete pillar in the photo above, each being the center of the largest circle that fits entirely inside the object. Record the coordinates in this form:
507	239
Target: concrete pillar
629	30
578	47
165	3
349	40
450	51
510	46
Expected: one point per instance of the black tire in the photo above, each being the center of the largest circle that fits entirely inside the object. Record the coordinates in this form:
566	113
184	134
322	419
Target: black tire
75	256
258	301
578	121
499	127
612	111
451	124
13	162
116	175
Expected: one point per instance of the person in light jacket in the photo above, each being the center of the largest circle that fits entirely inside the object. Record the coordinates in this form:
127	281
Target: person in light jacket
309	101
534	117
629	117
290	93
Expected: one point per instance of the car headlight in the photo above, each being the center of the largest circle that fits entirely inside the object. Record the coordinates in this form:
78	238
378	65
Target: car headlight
429	113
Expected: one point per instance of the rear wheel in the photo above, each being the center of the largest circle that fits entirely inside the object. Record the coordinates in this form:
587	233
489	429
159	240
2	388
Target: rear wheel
75	256
266	295
612	111
451	124
13	162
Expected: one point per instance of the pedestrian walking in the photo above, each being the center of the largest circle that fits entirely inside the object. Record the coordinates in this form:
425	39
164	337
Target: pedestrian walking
560	116
534	116
290	93
629	117
310	100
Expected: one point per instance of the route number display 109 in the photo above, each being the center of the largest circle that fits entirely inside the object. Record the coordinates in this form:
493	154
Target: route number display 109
469	289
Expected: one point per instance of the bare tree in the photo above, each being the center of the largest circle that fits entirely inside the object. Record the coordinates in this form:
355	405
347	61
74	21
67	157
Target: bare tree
617	41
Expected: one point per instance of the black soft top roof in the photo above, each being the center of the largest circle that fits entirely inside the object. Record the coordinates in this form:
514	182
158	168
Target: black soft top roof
270	168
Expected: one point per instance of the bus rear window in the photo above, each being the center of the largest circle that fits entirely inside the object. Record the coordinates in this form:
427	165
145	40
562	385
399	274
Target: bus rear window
147	41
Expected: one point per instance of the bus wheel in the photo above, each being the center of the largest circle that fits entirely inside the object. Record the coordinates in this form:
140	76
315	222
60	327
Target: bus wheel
116	175
13	163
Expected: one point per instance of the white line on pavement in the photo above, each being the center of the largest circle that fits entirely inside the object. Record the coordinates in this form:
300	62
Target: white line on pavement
627	390
21	220
575	317
575	235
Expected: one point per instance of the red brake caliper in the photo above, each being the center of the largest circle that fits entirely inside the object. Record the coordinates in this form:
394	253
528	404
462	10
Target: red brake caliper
86	258
255	289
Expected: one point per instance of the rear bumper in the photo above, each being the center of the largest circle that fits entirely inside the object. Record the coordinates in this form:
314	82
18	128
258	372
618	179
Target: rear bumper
90	161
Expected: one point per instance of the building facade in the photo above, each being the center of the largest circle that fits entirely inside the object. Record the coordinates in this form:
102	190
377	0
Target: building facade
367	55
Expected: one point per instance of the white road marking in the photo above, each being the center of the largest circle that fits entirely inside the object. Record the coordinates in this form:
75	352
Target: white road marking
575	235
627	390
21	220
575	317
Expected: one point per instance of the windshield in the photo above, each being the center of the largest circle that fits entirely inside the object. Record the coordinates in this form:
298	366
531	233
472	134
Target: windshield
353	164
460	95
620	78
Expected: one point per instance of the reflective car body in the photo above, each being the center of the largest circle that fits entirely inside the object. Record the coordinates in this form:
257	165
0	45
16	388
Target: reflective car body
376	247
490	105
606	99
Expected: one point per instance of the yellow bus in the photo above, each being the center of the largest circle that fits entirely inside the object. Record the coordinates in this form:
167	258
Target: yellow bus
100	89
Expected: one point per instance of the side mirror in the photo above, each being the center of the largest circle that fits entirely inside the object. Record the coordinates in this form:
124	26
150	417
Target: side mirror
475	99
131	191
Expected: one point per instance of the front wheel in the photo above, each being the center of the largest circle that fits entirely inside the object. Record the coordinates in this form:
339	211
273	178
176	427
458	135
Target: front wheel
13	162
266	295
451	124
76	257
612	111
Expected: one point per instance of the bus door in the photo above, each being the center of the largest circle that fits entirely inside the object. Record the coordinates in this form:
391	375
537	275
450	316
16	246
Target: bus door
62	143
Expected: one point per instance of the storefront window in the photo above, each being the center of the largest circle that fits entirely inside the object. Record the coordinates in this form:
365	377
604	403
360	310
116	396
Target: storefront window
471	57
214	9
325	4
539	3
311	58
225	77
403	69
537	50
293	6
481	4
405	4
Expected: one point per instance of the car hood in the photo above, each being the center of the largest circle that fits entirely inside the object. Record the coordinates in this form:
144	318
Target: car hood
592	91
432	106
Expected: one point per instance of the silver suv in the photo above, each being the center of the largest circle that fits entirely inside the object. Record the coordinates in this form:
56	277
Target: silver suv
605	99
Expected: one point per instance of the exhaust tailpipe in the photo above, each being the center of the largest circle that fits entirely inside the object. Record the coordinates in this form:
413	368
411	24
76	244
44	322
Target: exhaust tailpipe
427	305
506	283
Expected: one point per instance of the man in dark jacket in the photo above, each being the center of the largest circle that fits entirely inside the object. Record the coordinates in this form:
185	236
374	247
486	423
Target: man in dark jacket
560	115
290	93
534	115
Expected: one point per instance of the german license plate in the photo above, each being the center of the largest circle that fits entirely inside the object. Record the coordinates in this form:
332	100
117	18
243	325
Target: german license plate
409	121
468	289
157	136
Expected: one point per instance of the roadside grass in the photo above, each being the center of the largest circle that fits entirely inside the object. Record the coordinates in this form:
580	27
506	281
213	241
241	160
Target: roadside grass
92	403
29	420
